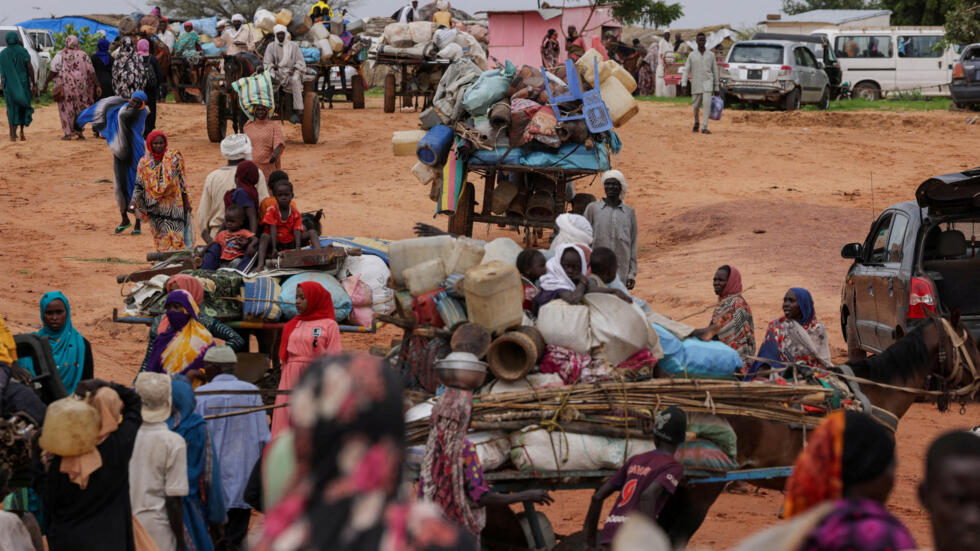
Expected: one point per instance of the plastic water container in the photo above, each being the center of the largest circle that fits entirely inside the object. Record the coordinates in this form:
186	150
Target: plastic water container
622	106
284	17
425	173
494	296
405	142
463	255
615	70
433	148
585	66
503	249
409	252
425	277
320	31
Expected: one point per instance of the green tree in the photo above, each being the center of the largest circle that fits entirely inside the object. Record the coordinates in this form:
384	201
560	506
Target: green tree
646	12
793	7
87	41
919	12
963	23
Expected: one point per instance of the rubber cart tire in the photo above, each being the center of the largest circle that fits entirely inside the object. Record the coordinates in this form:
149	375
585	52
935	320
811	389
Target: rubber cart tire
217	124
311	118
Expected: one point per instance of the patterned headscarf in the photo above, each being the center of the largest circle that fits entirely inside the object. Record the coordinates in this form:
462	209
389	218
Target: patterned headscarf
181	348
734	284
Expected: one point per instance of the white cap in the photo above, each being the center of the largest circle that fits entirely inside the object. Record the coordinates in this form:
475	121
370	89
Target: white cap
155	390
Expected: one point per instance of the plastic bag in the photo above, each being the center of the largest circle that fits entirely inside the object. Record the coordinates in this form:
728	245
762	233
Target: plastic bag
717	105
398	35
265	20
711	359
374	273
208	25
490	88
421	31
341	300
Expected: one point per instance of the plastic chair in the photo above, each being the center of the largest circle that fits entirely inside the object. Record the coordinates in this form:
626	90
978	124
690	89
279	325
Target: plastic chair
594	110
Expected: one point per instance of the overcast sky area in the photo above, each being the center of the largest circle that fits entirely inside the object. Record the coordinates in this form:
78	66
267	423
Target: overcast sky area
697	13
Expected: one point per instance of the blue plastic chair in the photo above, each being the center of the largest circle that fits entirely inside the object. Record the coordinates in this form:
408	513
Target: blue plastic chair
594	110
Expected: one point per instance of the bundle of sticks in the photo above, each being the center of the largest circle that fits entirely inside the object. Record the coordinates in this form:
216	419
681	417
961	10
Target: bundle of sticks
618	409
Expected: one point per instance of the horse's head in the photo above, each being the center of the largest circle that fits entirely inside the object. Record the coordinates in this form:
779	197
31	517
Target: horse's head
958	357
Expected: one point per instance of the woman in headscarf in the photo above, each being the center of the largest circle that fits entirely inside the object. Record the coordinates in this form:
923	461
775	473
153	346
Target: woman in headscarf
550	50
647	81
246	194
835	498
348	434
731	321
154	78
102	64
120	121
72	352
574	44
128	70
181	347
160	196
217	329
797	337
18	84
76	85
188	45
87	495
204	503
314	332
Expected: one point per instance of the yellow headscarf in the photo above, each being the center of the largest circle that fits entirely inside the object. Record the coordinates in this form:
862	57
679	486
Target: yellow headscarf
8	348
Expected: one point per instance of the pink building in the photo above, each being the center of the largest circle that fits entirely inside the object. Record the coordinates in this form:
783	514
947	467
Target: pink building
517	34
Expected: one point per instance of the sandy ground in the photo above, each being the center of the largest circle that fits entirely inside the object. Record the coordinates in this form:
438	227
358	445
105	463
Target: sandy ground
775	194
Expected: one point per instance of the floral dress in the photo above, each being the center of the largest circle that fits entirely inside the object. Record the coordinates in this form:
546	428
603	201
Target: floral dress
75	76
158	192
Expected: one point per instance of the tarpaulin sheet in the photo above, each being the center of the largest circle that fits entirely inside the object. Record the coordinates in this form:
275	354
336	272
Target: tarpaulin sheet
58	25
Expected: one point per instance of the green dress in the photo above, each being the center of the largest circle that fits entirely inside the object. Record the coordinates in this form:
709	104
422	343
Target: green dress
14	60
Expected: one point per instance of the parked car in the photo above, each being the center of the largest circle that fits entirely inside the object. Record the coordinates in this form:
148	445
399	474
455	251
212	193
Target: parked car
965	86
921	256
821	49
777	72
39	65
879	60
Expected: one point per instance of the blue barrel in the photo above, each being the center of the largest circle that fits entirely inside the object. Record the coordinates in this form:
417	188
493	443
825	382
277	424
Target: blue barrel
434	147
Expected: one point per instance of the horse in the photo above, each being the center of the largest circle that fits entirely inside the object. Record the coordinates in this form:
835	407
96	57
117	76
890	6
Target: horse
238	66
936	354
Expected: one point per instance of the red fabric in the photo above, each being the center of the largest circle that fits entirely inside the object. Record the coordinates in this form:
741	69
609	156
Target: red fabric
246	176
817	473
426	310
284	228
230	247
734	284
149	148
319	306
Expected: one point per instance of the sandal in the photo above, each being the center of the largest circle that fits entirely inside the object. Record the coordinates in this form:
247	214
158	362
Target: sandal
122	227
137	231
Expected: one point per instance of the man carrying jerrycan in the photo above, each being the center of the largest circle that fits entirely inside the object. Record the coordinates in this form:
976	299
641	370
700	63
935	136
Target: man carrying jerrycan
701	69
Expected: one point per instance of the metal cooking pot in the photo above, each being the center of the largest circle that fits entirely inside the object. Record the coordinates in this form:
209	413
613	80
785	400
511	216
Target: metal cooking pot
461	370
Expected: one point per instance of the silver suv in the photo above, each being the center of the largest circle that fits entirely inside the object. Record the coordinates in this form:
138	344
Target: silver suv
777	72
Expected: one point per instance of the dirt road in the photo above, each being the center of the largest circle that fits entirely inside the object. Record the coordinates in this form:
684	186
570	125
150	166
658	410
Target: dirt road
775	194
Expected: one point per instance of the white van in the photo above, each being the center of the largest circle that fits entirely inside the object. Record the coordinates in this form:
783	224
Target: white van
879	60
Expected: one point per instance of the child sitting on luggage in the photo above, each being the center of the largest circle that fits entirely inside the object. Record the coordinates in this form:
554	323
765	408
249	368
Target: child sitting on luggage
284	225
531	265
603	264
233	246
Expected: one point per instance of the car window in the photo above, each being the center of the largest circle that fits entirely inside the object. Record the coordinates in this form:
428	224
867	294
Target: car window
863	46
878	249
920	46
798	58
896	240
808	58
972	54
755	53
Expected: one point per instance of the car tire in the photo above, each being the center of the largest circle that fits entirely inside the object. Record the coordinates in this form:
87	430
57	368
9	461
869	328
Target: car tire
867	90
791	101
824	102
854	350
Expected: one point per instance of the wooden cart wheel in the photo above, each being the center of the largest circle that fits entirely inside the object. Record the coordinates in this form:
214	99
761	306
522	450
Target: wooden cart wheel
357	90
311	117
461	221
217	124
175	81
390	93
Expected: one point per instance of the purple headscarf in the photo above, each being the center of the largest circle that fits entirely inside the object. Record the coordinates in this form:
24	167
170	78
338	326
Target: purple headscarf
198	339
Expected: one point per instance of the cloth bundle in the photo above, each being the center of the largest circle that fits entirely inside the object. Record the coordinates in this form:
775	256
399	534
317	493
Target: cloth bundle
254	90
